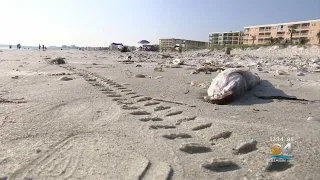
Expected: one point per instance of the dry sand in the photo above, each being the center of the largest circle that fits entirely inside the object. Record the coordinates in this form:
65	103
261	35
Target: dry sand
92	127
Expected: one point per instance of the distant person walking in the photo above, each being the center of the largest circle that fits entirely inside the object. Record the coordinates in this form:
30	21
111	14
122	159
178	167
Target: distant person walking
39	47
10	46
42	47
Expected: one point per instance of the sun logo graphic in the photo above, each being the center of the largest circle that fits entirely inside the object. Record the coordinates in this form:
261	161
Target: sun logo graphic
281	154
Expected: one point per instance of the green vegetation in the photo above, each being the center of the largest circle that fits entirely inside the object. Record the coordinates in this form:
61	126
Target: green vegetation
125	49
280	43
274	41
303	41
291	30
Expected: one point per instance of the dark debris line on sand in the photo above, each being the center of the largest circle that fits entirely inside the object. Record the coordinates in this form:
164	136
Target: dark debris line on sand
3	100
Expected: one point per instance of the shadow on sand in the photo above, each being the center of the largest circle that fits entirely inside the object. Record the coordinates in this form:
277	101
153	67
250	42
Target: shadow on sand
265	90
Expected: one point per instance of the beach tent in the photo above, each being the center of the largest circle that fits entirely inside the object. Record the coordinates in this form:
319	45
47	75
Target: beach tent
115	46
144	42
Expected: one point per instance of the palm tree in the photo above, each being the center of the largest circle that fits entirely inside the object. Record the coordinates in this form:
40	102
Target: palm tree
253	38
272	40
318	35
291	30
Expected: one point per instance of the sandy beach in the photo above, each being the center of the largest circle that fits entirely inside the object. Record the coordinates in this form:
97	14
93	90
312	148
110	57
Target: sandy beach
105	122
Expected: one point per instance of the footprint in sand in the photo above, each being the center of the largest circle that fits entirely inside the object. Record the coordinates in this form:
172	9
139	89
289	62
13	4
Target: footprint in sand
162	127
202	126
144	99
151	119
174	113
140	113
161	108
175	136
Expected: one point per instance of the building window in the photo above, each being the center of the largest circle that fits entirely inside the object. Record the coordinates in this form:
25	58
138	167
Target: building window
280	27
314	24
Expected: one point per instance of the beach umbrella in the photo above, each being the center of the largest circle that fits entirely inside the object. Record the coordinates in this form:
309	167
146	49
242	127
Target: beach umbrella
144	42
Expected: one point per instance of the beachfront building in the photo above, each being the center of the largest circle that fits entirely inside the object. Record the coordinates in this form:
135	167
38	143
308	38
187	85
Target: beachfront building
150	47
262	34
191	44
171	43
225	38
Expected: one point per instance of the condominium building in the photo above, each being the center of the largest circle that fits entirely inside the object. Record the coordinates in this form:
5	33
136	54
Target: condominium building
224	38
262	34
169	44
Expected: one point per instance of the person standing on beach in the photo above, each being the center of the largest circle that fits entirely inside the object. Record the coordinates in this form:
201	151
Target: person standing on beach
42	47
39	47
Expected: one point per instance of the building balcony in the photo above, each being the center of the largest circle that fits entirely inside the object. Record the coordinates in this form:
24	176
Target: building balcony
280	35
304	27
264	35
264	30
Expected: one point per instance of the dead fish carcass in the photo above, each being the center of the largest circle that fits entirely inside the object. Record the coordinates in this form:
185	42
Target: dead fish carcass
230	84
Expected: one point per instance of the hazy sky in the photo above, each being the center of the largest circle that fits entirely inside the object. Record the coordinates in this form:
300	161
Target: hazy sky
101	22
